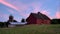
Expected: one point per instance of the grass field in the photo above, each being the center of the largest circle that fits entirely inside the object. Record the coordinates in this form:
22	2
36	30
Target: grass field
32	29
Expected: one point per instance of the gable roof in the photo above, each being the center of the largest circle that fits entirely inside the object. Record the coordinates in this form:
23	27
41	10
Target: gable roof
40	16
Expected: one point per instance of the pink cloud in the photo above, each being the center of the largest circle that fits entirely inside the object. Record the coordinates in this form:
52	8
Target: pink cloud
57	14
45	12
24	7
9	5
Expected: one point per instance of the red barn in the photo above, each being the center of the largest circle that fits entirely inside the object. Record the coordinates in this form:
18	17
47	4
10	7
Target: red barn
38	18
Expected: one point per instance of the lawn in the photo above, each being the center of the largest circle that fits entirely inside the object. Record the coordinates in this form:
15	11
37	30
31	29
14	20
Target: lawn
32	29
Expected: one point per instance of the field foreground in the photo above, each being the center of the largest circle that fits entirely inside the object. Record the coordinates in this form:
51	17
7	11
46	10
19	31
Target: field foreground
32	29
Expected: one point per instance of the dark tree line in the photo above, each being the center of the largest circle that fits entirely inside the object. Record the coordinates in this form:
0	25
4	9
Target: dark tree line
4	24
55	21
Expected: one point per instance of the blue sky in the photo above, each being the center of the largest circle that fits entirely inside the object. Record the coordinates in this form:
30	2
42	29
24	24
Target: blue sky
22	8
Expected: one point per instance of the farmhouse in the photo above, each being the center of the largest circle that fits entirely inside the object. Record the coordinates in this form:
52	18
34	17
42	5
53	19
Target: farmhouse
38	18
12	23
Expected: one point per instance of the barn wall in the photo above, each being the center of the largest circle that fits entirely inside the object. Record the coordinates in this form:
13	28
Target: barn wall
46	21
40	21
31	20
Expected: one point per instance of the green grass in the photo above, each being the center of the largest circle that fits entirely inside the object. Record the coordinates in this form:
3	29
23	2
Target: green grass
32	29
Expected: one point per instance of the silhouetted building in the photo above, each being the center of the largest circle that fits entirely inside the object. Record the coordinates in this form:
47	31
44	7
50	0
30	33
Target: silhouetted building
38	18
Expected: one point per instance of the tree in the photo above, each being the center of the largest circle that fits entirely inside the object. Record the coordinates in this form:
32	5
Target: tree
23	20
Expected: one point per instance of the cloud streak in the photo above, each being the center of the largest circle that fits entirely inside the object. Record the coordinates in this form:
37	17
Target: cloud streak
9	5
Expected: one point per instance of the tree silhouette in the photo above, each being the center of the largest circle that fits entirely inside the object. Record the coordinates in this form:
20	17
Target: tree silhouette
55	21
23	20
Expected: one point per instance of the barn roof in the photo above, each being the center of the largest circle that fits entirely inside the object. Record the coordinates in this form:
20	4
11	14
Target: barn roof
40	16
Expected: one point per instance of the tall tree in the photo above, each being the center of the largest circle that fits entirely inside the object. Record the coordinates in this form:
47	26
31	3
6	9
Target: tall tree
23	20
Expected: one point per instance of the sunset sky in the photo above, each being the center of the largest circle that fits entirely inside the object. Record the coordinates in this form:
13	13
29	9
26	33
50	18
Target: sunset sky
22	8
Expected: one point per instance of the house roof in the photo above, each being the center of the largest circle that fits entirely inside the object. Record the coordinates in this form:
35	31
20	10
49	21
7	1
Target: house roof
40	16
18	23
